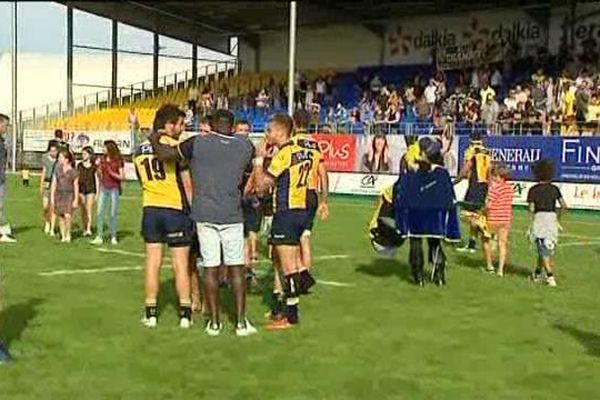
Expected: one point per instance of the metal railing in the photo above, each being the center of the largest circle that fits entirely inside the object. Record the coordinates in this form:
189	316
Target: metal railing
127	94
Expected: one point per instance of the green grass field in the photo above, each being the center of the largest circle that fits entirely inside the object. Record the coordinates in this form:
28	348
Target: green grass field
78	336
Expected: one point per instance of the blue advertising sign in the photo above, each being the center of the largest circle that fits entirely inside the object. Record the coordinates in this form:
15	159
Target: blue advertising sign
575	159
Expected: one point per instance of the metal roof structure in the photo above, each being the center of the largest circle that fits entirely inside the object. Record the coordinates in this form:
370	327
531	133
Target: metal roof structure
211	23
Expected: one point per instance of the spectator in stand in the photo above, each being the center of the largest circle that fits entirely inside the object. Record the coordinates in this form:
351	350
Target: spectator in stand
538	76
582	99
111	170
474	79
377	159
496	79
222	101
490	111
423	109
375	85
207	102
315	116
511	101
521	94
431	93
309	99
193	98
262	101
393	117
485	92
320	89
189	117
550	100
341	114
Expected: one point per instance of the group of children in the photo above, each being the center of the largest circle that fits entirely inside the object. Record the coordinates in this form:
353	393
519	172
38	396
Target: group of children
487	208
66	186
494	219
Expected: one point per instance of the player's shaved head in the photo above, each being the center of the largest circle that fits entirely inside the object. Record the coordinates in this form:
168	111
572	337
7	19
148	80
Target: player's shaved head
222	122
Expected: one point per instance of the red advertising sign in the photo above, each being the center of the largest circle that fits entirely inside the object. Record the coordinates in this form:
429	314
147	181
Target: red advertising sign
338	151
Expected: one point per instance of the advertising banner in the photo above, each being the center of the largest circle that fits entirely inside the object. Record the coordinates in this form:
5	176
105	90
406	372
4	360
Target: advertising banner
575	159
37	140
584	196
467	55
338	151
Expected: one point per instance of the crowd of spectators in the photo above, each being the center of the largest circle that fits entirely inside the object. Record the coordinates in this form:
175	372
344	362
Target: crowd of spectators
491	98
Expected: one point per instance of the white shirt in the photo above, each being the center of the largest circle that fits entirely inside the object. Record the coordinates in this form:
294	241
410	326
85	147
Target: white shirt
320	86
496	79
429	93
474	79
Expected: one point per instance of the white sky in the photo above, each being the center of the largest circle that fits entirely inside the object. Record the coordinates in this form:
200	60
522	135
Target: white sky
42	53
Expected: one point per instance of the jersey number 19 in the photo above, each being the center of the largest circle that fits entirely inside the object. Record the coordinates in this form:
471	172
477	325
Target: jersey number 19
155	170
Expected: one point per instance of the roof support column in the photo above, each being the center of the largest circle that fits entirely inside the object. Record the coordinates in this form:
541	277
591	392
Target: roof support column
115	61
70	59
194	64
155	63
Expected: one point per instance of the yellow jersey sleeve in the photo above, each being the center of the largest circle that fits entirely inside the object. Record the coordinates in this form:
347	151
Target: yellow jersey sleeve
281	162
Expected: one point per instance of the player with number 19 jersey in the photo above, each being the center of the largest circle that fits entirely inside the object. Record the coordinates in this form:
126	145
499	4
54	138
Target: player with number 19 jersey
165	218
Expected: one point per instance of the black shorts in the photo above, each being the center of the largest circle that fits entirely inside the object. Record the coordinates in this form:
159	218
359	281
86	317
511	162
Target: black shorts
312	207
166	225
288	227
252	215
475	197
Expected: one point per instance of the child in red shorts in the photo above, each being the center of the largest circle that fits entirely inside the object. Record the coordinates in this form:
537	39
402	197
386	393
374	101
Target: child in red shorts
499	216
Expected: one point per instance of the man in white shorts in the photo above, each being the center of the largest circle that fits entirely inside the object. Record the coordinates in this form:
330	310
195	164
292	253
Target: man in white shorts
217	162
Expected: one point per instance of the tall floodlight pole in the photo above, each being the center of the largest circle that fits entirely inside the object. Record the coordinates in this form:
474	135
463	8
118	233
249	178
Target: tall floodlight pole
13	53
292	58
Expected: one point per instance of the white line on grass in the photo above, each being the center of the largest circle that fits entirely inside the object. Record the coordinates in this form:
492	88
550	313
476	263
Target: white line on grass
136	254
88	271
334	283
574	244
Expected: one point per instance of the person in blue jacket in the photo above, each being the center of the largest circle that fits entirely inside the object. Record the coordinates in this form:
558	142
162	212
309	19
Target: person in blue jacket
425	209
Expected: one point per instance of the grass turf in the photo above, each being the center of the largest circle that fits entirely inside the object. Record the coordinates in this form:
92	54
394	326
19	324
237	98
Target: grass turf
79	337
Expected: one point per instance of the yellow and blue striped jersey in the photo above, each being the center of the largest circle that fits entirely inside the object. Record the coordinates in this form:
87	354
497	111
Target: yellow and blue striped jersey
309	144
160	181
481	162
291	167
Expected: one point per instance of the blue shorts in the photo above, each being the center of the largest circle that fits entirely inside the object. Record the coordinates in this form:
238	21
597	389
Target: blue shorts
312	207
475	197
168	226
544	248
288	226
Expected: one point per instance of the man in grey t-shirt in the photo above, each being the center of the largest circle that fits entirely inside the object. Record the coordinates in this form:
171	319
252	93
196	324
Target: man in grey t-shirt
217	163
5	232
